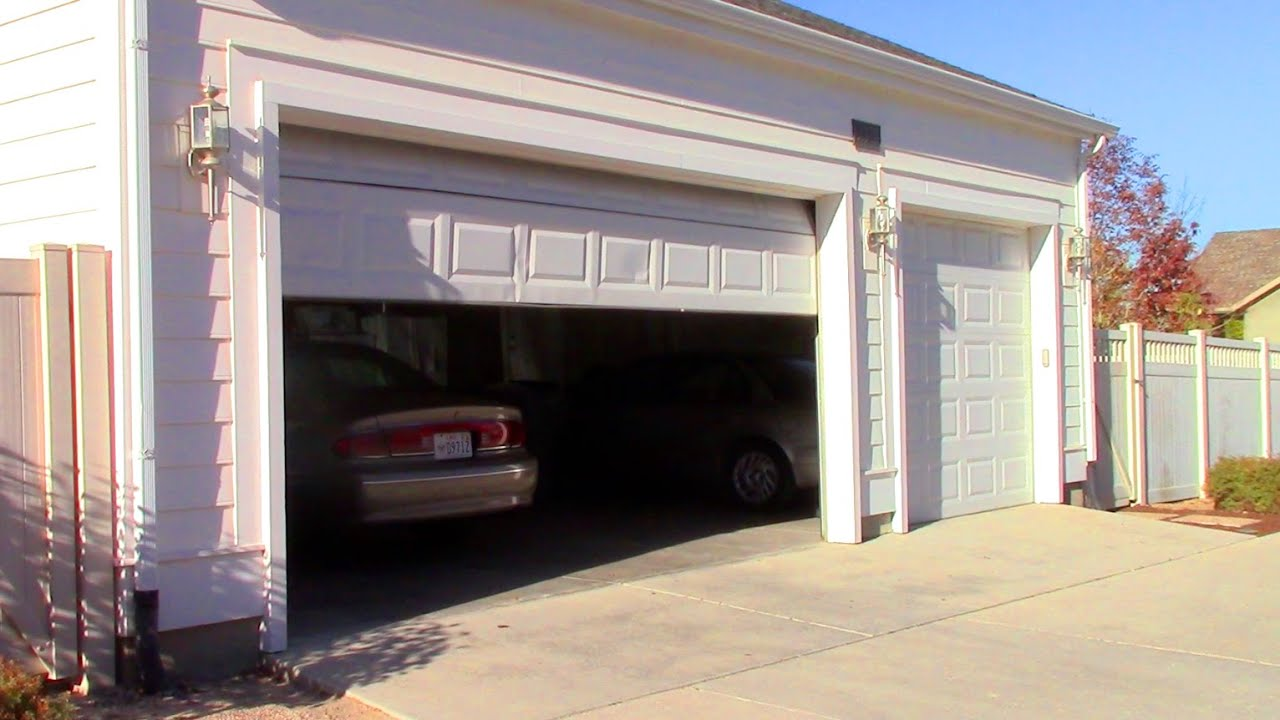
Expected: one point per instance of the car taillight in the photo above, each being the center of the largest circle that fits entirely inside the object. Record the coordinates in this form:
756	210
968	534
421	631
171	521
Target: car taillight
420	439
364	445
415	439
498	434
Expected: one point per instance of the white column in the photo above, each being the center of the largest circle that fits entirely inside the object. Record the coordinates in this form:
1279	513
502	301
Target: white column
1135	364
895	333
1047	406
1202	409
1264	414
839	392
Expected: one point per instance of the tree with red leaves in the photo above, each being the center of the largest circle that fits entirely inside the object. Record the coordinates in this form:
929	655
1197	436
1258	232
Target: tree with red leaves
1141	246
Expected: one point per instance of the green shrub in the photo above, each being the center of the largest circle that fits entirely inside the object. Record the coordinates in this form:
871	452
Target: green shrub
1233	329
1246	483
22	696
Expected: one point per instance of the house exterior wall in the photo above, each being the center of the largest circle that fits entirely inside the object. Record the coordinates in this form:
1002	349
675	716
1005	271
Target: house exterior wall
1262	319
51	177
673	83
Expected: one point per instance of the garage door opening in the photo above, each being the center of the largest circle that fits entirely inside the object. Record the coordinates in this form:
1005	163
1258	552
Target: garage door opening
563	292
640	422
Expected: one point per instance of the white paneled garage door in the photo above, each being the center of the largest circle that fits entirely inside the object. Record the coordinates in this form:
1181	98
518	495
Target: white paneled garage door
968	367
367	219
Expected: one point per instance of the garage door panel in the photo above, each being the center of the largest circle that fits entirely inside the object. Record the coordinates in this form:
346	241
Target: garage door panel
979	419
977	305
353	160
980	476
967	369
558	256
626	261
977	361
1013	416
395	244
687	267
742	270
1014	475
481	251
793	274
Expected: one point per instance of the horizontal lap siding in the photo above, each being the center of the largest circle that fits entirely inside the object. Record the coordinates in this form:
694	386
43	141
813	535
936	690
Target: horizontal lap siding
196	525
48	139
876	362
1074	346
878	488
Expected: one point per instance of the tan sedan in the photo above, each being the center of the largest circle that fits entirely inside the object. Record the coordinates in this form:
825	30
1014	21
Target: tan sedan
369	439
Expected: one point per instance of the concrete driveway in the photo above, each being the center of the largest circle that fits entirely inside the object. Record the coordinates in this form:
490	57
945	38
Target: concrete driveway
1040	611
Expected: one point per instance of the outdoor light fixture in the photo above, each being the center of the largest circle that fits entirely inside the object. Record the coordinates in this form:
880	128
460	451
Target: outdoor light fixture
210	140
880	227
1076	248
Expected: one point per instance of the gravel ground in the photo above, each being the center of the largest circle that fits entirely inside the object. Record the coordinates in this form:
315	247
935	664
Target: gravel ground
242	698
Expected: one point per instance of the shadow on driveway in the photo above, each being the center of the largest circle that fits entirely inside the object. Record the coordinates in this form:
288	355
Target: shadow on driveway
352	584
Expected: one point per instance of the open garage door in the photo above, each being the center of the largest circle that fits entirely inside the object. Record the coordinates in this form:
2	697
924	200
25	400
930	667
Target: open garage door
543	289
367	219
968	367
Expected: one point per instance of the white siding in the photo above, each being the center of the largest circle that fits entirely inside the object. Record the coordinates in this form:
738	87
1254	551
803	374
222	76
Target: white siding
876	453
1074	346
48	139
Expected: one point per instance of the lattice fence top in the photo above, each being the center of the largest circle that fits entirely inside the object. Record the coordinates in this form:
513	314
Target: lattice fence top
1109	346
1170	349
1234	356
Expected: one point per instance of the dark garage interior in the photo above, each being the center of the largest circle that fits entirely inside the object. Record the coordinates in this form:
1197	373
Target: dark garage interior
578	376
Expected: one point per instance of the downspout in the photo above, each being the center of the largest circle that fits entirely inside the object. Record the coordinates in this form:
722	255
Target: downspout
1086	302
141	430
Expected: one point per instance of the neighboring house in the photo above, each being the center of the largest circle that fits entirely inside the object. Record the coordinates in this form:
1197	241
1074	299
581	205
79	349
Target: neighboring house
1241	272
645	155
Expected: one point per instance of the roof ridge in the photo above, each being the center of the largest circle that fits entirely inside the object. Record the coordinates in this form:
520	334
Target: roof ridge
796	15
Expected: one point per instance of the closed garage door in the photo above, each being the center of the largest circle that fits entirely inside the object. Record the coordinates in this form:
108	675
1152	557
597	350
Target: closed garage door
968	367
366	219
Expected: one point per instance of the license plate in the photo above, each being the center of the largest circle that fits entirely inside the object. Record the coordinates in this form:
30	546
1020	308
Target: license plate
452	446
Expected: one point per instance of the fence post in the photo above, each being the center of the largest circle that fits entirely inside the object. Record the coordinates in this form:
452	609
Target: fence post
1265	395
1136	402
1202	409
91	325
59	457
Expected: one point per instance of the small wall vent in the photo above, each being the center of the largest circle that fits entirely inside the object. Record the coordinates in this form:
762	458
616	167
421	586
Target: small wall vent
866	136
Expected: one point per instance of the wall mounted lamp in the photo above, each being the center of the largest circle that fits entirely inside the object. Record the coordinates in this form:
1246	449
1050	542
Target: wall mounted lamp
880	227
1076	249
210	140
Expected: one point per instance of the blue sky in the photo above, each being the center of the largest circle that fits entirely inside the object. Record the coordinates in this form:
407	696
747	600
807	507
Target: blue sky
1196	83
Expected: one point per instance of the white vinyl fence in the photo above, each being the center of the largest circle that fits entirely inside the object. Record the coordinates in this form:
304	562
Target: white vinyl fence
1168	406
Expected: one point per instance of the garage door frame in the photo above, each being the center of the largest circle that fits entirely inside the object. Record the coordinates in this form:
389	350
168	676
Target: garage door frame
380	107
1040	220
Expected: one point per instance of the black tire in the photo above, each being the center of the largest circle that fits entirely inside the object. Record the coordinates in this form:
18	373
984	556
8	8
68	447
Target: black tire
758	477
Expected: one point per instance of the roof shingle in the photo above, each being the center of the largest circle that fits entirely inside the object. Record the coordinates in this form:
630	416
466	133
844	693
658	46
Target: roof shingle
1236	264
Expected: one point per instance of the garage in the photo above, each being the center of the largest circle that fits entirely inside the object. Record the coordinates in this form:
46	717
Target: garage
968	367
504	196
515	282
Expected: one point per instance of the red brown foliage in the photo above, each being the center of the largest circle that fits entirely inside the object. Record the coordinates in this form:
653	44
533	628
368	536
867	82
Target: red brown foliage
1141	246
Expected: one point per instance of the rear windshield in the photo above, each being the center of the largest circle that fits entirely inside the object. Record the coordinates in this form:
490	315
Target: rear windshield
790	380
347	368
